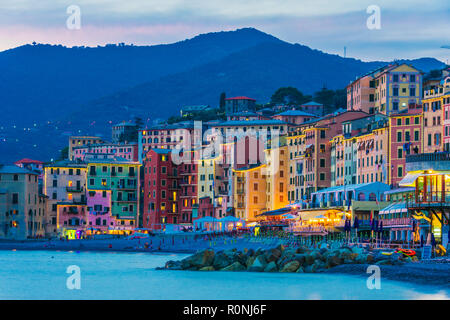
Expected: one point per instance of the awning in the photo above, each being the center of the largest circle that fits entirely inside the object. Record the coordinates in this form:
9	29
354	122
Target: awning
409	180
394	208
312	215
275	212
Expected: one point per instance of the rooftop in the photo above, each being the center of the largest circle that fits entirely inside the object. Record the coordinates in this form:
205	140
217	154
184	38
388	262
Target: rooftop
312	103
27	161
15	170
240	98
296	113
232	123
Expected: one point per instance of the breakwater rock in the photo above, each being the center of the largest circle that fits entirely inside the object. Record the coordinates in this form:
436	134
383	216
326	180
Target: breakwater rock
282	259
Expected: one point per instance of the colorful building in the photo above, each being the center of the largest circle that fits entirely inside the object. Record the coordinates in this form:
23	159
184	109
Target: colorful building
127	151
294	116
405	138
389	89
22	208
78	141
429	174
239	104
117	180
65	187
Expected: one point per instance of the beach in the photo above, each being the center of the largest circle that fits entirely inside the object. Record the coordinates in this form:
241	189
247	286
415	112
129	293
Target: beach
423	273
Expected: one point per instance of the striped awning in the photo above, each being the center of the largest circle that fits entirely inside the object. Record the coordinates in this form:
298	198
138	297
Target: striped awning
409	180
394	208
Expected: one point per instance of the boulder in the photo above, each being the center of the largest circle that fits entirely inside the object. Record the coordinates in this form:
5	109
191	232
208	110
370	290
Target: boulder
333	261
358	250
250	261
208	268
200	259
301	250
234	267
309	259
273	255
271	267
300	270
291	266
301	258
173	265
319	266
310	269
370	258
258	264
221	260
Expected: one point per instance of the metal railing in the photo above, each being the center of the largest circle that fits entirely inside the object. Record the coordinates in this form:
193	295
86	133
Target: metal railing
438	156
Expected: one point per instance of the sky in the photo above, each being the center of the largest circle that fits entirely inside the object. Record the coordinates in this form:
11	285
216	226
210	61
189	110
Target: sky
407	28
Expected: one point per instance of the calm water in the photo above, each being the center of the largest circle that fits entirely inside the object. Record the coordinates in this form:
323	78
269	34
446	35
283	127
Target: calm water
42	275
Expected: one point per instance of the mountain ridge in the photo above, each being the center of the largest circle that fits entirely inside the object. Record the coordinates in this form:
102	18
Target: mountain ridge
52	91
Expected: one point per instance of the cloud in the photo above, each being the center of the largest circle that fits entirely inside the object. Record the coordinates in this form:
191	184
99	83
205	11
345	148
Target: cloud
408	27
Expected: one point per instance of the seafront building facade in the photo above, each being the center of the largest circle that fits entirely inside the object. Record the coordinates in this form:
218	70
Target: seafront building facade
254	166
22	207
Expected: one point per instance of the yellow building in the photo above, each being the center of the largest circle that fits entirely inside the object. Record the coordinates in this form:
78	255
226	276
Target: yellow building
249	193
396	87
277	176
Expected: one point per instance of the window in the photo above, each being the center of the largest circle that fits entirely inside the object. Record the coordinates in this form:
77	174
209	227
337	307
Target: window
416	135
399	136
400	171
399	153
322	163
412	92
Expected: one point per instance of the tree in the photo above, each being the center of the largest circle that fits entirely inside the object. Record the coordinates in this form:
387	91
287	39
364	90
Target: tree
64	153
331	100
139	123
289	96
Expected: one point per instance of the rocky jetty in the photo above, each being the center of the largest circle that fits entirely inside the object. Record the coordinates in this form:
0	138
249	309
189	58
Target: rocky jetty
283	259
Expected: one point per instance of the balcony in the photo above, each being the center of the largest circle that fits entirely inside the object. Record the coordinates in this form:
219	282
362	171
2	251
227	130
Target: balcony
439	161
80	201
127	187
397	222
74	189
430	199
240	205
240	191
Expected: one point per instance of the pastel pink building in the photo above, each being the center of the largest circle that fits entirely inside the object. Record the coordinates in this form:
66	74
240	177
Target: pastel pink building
99	210
126	151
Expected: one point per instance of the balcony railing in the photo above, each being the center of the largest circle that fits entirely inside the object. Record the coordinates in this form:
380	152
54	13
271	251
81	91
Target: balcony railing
397	222
430	198
74	189
439	156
